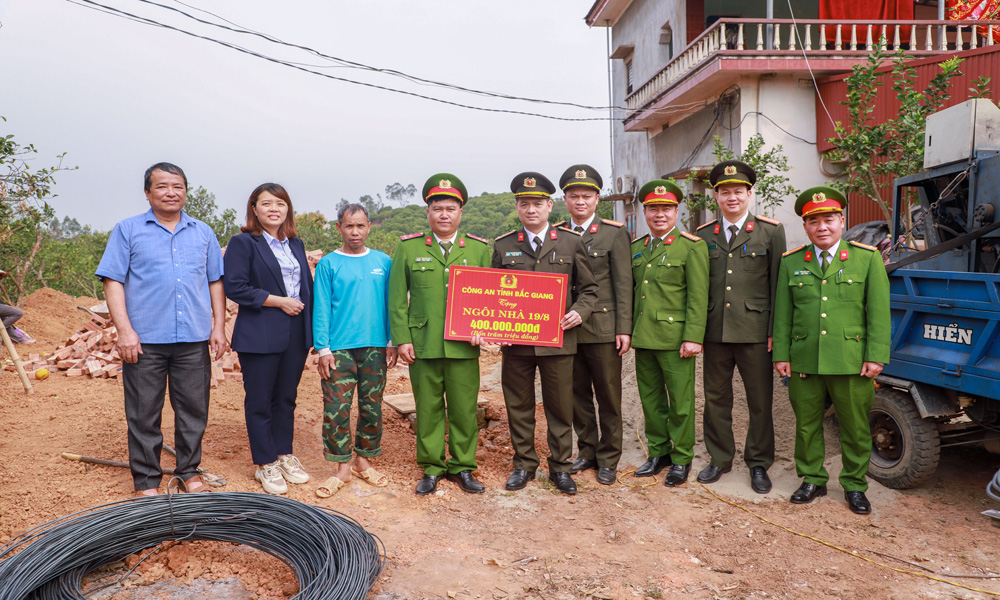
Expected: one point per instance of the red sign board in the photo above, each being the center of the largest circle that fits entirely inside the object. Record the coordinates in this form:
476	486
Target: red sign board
504	305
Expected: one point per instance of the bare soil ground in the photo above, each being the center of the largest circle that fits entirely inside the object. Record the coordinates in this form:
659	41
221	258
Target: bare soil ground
622	541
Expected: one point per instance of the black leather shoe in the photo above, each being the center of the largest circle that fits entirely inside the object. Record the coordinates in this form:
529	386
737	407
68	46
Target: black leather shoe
582	464
428	484
653	466
858	503
807	492
518	479
467	482
677	475
712	473
759	480
606	475
564	483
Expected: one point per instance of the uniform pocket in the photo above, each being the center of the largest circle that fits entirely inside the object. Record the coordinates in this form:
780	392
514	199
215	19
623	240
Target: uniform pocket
423	274
670	316
754	259
670	271
850	286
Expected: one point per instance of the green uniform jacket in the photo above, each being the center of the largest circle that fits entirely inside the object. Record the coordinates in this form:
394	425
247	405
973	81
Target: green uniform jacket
418	289
608	244
742	279
565	254
830	324
670	300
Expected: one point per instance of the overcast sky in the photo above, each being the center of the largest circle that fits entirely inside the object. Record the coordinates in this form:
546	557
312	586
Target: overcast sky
117	96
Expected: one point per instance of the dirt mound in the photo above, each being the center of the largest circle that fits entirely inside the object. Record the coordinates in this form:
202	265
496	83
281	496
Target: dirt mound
51	316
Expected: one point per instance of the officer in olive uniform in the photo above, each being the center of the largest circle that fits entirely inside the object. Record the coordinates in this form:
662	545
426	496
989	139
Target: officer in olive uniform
439	368
670	305
831	337
607	334
539	246
744	252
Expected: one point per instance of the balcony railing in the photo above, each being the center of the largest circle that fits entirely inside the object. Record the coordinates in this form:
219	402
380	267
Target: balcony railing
777	38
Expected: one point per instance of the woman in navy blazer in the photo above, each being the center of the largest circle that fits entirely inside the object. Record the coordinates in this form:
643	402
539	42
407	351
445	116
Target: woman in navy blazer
267	274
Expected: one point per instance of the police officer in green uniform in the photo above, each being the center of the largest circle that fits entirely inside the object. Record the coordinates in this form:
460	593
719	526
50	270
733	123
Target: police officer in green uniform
539	246
439	368
607	334
670	305
744	251
831	338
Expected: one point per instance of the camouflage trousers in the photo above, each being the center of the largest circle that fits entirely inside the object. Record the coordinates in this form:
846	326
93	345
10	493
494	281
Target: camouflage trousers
363	370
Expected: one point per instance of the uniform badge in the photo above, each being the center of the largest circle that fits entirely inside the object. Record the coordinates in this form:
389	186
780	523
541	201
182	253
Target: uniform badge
553	235
730	170
809	256
513	253
444	184
529	182
422	259
581	174
749	226
819	197
660	190
717	229
713	246
637	255
461	243
520	236
593	228
843	255
429	241
797	273
669	240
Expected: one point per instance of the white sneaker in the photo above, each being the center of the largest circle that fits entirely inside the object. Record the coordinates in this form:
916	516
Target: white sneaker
270	477
291	469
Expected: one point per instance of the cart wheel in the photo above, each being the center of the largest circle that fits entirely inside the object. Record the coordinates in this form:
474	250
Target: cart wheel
905	447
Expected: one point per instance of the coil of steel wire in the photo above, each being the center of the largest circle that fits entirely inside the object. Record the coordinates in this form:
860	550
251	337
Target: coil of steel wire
331	555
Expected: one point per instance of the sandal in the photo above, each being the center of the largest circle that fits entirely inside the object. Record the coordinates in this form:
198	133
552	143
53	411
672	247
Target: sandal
329	487
372	477
195	485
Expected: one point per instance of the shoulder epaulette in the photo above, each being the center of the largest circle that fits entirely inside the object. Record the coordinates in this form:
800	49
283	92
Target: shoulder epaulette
865	246
568	230
500	237
691	236
707	224
768	220
411	236
477	238
638	240
560	224
793	251
610	222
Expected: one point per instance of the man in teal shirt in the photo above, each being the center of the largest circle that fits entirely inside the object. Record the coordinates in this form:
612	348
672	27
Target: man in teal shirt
351	334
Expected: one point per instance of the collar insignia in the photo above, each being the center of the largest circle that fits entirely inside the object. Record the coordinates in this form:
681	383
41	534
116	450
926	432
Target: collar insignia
749	226
843	255
809	256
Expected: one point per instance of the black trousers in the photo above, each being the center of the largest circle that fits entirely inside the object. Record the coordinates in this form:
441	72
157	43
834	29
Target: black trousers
271	383
597	374
754	363
517	377
187	368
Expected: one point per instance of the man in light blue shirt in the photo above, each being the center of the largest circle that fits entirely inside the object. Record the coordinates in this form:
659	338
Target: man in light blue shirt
351	332
162	274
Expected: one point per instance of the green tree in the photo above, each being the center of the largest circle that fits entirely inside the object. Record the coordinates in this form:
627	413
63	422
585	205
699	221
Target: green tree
872	149
24	217
772	187
201	205
401	194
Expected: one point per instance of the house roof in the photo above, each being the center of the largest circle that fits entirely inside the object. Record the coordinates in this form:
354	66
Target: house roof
605	13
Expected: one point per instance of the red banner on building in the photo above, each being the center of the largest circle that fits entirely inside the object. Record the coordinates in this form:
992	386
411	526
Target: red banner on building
503	305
